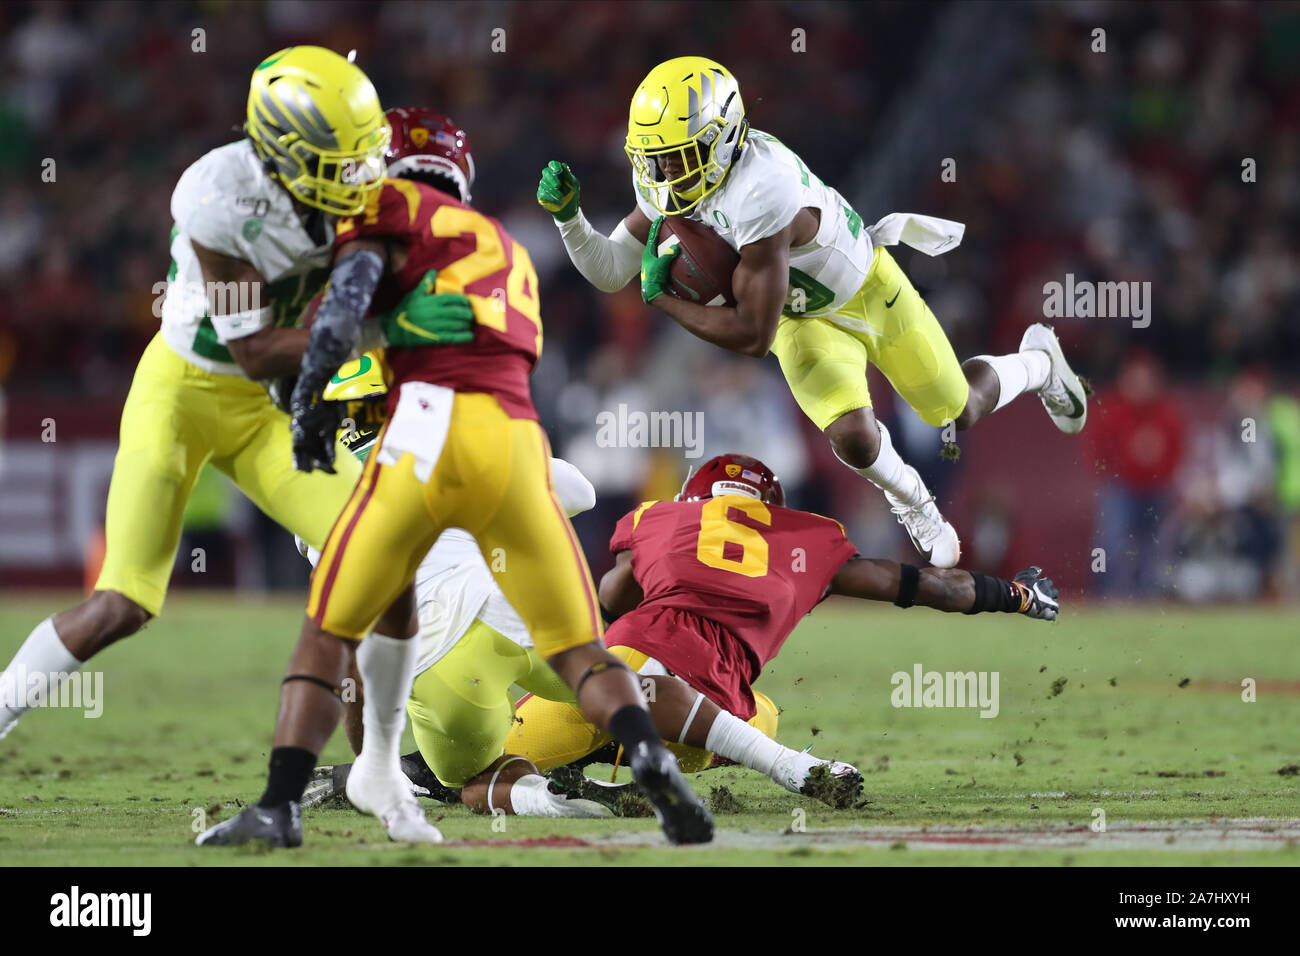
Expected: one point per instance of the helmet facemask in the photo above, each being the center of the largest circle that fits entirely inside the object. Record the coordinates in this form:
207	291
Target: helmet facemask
704	158
335	181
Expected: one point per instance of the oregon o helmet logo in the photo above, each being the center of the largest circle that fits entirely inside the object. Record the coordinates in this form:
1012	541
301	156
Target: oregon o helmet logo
363	366
721	219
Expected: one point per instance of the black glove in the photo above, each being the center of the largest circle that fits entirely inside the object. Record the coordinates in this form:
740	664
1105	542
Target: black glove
281	391
314	428
1039	597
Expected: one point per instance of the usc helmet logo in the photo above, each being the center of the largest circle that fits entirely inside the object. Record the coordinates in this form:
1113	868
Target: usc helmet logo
733	471
419	136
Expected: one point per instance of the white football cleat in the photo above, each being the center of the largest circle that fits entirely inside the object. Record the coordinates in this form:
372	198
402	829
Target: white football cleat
833	782
389	798
561	806
1063	396
932	535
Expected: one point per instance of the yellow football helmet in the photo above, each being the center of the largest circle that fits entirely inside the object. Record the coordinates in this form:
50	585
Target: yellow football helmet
315	120
687	114
361	388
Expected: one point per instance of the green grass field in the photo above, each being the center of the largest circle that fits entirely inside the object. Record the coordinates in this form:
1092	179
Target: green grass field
189	706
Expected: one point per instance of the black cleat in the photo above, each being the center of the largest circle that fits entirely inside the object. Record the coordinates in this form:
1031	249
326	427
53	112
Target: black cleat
278	826
418	772
681	813
328	786
621	799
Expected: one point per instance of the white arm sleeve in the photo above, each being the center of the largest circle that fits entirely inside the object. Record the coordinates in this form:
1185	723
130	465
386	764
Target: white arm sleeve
607	263
575	492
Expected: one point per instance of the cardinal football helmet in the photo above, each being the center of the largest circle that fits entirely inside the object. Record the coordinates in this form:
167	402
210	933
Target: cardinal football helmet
315	121
427	144
733	475
687	110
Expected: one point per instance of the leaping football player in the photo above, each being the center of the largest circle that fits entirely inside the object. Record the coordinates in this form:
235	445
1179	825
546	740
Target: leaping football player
251	244
707	588
814	284
462	447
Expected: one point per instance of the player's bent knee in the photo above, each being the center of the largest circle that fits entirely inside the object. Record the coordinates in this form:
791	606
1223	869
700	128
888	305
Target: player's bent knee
115	615
855	438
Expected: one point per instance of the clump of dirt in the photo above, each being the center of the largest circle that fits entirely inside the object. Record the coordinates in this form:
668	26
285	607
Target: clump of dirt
631	804
1290	770
722	800
1191	773
1019	759
949	451
1184	682
1058	685
837	792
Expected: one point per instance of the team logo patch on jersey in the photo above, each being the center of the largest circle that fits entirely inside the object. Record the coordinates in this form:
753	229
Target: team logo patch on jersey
252	229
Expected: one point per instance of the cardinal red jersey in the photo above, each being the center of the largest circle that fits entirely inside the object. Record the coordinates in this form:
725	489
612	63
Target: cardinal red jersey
474	255
748	569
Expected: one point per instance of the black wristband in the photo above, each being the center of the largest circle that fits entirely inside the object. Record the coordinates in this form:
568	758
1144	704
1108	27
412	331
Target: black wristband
993	594
908	582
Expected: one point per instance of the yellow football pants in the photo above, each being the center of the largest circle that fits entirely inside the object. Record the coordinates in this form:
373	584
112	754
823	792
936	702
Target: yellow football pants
888	324
551	733
178	417
492	478
461	708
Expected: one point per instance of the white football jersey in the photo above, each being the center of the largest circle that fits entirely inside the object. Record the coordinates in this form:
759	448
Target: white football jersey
453	586
227	203
761	194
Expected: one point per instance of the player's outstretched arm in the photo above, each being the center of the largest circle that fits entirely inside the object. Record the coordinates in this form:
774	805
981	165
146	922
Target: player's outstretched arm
947	589
619	591
358	267
606	262
760	284
261	351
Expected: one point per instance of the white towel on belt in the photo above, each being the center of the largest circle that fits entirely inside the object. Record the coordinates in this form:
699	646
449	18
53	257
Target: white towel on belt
419	426
926	234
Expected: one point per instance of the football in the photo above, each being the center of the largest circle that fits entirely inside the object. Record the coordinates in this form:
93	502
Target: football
702	271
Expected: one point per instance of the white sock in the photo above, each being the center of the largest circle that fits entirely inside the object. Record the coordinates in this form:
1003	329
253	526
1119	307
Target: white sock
744	743
891	474
42	653
1019	372
387	668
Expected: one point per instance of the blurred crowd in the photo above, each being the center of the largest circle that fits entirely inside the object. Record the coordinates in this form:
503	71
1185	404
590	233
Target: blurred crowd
1127	165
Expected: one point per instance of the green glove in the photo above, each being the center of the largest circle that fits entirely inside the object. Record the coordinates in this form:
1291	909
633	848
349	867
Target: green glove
656	270
425	317
558	191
